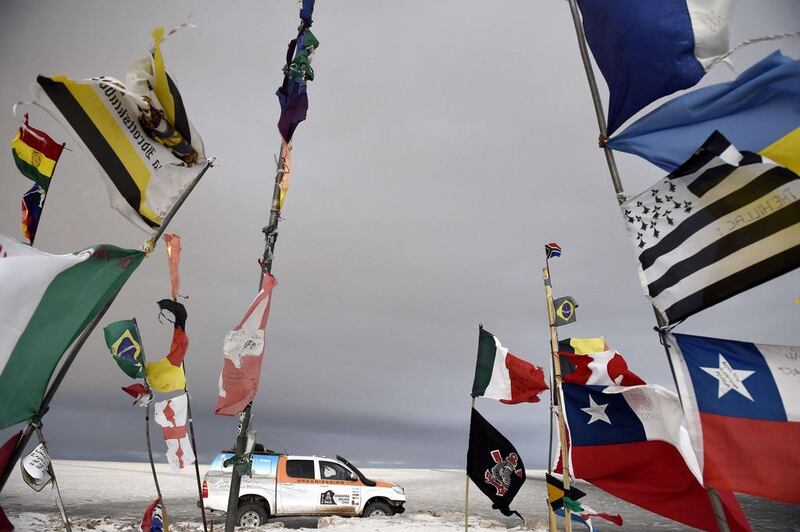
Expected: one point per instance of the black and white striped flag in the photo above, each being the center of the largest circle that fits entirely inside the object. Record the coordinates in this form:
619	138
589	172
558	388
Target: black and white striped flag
723	222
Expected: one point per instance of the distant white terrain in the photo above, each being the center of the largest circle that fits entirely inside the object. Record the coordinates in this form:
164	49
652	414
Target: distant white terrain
111	496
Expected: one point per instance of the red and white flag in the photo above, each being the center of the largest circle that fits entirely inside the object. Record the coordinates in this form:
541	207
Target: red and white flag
244	353
171	415
607	368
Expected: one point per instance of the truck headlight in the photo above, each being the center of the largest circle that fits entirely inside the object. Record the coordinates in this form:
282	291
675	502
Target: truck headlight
399	489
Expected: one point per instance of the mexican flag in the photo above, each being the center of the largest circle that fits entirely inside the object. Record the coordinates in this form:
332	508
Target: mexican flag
502	376
45	302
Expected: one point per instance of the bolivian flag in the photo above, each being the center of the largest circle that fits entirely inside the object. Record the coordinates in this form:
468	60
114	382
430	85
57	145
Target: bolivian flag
36	154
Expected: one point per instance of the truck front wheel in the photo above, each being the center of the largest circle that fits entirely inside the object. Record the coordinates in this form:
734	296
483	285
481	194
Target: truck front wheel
252	514
377	509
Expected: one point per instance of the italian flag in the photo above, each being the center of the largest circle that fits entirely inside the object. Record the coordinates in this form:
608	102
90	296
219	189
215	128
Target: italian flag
45	302
502	376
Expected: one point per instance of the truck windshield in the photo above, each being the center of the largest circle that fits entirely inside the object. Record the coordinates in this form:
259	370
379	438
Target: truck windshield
333	471
361	476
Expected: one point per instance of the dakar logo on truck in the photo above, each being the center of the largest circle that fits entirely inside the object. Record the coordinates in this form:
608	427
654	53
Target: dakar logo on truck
326	497
499	475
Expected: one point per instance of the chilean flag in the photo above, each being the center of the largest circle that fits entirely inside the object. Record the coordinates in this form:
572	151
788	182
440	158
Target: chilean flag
631	442
742	402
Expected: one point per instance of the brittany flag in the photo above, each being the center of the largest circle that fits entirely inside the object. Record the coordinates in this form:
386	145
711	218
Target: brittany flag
725	221
742	403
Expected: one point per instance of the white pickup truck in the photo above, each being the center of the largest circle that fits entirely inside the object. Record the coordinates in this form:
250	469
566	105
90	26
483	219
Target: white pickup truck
284	485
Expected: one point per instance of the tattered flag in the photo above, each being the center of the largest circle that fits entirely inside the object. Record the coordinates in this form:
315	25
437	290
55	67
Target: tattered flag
173	243
141	394
45	302
244	353
292	94
31	211
155	517
127	132
556	492
171	415
166	374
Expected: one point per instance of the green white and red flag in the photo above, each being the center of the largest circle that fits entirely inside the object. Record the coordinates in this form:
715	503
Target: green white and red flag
502	376
45	303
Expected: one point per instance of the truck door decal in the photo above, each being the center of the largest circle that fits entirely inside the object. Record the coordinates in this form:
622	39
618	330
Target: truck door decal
326	497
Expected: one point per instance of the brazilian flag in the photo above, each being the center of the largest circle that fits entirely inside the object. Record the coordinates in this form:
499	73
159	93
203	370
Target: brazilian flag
122	338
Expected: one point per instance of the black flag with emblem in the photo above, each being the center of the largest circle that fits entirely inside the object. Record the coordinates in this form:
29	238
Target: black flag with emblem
493	464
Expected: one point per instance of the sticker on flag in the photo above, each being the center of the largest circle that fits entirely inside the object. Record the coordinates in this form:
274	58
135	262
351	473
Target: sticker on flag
241	343
244	353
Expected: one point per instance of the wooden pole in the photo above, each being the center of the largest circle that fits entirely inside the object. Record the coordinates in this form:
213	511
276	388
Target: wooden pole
555	360
78	344
716	504
194	446
466	477
270	236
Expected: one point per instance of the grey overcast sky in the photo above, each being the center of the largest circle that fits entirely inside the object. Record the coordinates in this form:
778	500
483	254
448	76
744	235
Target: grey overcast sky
447	141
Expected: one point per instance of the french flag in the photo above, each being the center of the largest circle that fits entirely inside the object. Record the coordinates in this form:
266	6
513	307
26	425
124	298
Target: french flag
647	49
742	403
632	443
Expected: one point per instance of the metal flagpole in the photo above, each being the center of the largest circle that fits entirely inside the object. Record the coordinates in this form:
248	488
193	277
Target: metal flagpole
56	491
716	503
466	479
194	446
147	415
78	344
271	236
555	360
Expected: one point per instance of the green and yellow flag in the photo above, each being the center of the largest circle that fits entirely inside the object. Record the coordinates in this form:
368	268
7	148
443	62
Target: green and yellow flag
122	338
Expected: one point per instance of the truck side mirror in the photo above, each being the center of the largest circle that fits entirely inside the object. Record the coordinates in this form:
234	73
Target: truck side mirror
353	476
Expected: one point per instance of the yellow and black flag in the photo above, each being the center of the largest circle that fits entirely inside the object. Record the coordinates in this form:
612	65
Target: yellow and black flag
556	493
138	136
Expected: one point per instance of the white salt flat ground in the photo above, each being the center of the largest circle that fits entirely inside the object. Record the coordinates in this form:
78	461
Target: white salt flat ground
111	496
